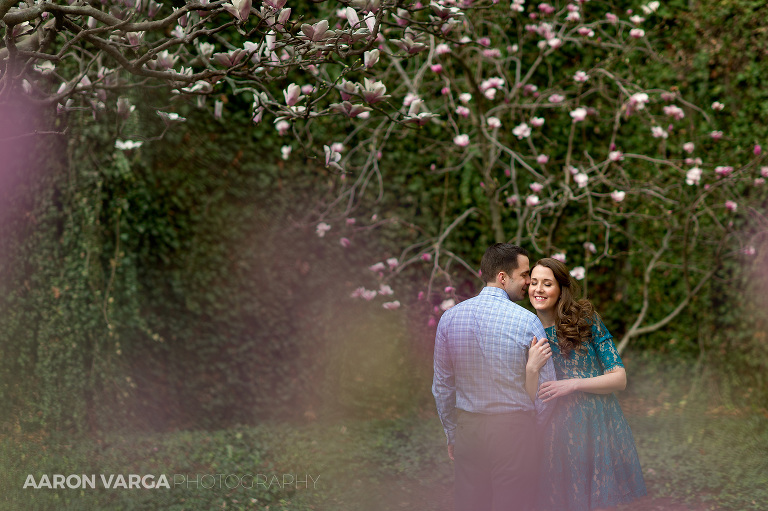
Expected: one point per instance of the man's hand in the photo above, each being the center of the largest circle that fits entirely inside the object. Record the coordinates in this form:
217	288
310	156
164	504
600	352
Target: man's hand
450	452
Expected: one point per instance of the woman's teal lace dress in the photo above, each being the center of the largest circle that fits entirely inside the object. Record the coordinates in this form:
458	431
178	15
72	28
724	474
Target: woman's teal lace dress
590	460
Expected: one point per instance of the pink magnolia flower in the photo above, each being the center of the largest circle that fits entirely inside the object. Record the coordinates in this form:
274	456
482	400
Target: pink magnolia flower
731	206
764	171
749	250
461	140
321	229
560	256
579	114
449	289
392	263
531	200
292	94
522	131
537	122
578	273
759	181
484	41
586	32
674	111
462	111
447	304
370	58
436	68
688	147
636	19
618	195
590	247
536	187
377	267
581	179
659	132
391	305
757	150
724	171
465	97
426	257
442	49
494	122
385	290
240	9
546	8
351	221
492	53
432	322
693	176
612	18
580	77
616	156
542	159
517	5
285	151
345	242
717	106
512	200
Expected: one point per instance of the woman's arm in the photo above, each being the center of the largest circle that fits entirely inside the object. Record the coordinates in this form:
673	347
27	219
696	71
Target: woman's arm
611	381
538	354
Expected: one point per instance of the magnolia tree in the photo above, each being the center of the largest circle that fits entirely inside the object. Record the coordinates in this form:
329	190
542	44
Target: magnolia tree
571	152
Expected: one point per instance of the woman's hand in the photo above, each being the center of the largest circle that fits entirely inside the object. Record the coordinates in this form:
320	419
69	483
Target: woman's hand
550	390
538	354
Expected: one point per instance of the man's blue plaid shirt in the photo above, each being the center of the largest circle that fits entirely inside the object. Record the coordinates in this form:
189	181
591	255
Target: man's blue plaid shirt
480	356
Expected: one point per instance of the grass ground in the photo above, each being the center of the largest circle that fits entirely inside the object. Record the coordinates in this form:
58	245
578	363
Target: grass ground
697	454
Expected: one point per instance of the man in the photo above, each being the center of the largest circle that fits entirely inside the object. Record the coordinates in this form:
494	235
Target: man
485	389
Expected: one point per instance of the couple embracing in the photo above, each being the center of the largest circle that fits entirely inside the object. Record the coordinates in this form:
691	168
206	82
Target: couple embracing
526	400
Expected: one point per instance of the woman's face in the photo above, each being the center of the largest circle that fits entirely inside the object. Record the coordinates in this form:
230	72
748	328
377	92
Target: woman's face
544	291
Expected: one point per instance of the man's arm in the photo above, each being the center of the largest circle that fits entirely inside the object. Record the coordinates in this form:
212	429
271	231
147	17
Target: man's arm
443	385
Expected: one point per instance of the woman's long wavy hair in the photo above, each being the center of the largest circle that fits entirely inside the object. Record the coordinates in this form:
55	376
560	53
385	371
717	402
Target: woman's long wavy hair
573	317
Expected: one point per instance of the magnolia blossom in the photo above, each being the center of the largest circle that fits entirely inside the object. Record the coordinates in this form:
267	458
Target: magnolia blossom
447	304
522	131
638	100
659	132
442	49
581	179
449	289
426	256
693	176
759	181
282	127
517	5
331	158
127	145
716	135
391	305
536	187
590	247
285	151
616	156
463	111
392	262
580	77
717	106
240	9
688	147
344	242
556	98
377	267
560	256
370	58
578	273
537	122
494	122
321	229
637	33
461	140
651	7
542	159
749	250
731	206
579	114
618	195
674	111
512	200
531	200
465	97
724	171
764	171
385	290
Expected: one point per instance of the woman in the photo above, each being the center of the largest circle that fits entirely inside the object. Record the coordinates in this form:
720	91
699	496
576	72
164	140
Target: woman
590	461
